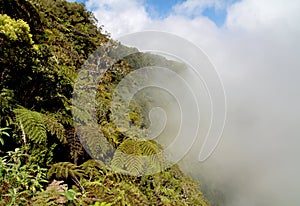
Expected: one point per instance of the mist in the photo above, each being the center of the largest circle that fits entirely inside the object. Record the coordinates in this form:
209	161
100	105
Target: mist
257	160
256	54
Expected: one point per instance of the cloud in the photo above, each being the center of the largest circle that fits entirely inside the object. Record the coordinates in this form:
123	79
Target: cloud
120	16
250	14
196	7
256	53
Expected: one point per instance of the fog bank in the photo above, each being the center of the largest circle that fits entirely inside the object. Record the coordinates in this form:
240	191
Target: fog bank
256	53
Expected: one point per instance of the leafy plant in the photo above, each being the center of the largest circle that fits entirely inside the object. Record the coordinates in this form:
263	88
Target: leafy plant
101	204
20	178
3	132
36	125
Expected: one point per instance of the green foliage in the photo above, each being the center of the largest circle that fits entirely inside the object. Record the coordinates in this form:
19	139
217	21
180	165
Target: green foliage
137	157
3	132
117	193
6	102
70	194
15	30
128	158
101	204
170	187
53	195
55	128
43	45
22	9
93	169
32	124
20	177
75	146
65	170
58	193
36	125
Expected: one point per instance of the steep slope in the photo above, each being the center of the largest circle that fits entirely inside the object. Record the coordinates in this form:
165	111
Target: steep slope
43	44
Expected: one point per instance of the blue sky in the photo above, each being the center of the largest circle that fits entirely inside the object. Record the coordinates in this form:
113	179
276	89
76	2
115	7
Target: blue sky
158	9
161	8
217	16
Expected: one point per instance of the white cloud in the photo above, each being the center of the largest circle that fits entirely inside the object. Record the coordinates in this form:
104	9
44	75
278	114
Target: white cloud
120	16
253	14
256	53
196	7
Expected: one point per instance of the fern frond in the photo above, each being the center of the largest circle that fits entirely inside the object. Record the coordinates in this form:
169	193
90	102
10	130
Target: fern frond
128	158
75	146
63	117
65	170
137	157
129	194
149	147
136	197
94	141
109	131
33	124
93	184
55	128
153	160
118	162
93	169
134	164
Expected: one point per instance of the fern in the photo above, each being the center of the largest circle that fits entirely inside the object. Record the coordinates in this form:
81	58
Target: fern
65	170
133	164
138	157
112	136
36	125
33	124
93	141
136	197
153	160
128	194
63	117
93	169
127	158
76	149
55	128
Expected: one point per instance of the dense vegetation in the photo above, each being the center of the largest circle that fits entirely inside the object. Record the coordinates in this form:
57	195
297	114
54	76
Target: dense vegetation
43	44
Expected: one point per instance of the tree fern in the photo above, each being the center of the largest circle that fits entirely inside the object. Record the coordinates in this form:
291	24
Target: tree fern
153	159
33	124
93	169
138	157
65	170
127	158
55	128
36	125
